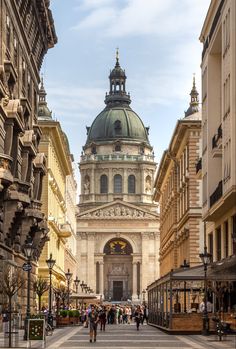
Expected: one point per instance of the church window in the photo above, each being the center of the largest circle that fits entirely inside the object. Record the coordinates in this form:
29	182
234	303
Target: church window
117	184
117	127
93	150
131	184
103	184
117	147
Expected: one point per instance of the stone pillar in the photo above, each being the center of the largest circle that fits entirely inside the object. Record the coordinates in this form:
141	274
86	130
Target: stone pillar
125	182
101	278
92	184
91	279
110	184
145	261
25	163
134	294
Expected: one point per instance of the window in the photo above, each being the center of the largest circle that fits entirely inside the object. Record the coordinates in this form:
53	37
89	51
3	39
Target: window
131	184
117	147
210	245
117	184
226	238
218	244
93	150
103	184
117	127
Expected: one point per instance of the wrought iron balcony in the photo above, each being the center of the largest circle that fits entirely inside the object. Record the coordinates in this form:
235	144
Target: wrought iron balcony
217	137
198	165
217	194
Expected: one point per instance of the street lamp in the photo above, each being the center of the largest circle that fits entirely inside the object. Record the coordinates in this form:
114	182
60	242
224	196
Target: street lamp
50	263
68	276
76	282
206	259
28	252
144	293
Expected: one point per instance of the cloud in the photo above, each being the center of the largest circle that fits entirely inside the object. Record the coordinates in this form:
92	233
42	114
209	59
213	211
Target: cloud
134	18
74	103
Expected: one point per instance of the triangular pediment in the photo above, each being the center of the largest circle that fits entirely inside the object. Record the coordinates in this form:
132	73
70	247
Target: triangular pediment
118	210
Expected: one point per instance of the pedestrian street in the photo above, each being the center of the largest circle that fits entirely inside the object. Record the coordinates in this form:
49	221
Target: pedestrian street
126	336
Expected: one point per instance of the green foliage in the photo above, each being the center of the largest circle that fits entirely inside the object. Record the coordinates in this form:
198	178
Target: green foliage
63	313
76	313
70	313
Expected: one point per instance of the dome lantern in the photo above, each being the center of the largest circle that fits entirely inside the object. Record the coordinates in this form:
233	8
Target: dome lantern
117	94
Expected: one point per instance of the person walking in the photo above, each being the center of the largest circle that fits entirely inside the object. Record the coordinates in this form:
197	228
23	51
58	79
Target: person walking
103	318
138	316
93	322
145	314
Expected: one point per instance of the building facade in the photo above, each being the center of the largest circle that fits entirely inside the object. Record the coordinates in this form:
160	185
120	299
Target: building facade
178	191
27	32
57	196
219	132
117	223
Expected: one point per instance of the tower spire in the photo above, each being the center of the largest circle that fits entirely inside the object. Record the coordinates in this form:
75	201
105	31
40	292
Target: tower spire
117	94
194	101
117	57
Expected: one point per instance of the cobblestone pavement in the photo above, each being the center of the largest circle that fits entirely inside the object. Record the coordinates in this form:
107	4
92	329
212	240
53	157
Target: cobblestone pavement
125	337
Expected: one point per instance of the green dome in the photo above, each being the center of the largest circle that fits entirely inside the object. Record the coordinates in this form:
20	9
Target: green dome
117	123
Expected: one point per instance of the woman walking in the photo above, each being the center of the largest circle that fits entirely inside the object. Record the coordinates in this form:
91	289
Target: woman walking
93	322
138	316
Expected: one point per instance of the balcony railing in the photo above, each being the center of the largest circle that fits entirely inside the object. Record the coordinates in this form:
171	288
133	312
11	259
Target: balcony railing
217	137
117	157
217	194
198	165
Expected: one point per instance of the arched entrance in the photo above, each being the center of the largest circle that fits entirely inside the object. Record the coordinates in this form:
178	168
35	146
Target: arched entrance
117	270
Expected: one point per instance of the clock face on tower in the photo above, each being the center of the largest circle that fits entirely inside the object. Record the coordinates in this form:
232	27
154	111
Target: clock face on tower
118	247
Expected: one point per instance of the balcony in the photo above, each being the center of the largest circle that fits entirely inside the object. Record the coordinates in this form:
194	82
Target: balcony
65	230
198	166
117	157
217	143
217	194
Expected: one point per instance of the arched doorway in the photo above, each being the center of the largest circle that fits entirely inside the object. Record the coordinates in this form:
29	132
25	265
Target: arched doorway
118	270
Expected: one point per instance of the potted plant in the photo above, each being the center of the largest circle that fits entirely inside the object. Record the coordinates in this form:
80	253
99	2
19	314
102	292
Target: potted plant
63	318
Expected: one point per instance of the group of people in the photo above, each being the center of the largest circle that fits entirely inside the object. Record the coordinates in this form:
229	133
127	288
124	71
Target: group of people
114	314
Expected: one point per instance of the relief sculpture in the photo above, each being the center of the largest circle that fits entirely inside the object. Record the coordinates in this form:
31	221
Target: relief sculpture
118	212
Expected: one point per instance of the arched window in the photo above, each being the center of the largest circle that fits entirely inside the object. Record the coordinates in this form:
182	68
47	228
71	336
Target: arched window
103	184
117	127
117	184
131	184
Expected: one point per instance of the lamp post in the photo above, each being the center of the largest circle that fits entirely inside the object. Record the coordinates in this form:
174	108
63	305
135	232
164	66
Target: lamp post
76	282
28	251
206	259
68	276
50	263
144	293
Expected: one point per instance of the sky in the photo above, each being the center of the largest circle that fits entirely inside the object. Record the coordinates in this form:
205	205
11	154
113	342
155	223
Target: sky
159	49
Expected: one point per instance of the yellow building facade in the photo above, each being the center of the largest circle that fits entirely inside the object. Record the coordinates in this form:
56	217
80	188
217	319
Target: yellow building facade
55	146
218	37
177	189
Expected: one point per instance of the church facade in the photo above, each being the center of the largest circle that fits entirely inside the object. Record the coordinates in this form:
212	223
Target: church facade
117	221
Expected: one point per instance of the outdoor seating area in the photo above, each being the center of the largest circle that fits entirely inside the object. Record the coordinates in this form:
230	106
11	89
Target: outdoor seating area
176	300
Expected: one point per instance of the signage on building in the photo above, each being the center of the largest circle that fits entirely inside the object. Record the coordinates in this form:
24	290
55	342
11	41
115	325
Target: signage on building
26	267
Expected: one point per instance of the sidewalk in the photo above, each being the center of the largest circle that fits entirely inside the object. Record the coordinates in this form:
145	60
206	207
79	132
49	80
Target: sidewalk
58	333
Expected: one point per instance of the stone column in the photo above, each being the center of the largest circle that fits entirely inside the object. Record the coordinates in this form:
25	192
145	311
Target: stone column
134	294
92	184
90	261
125	182
110	184
101	278
145	261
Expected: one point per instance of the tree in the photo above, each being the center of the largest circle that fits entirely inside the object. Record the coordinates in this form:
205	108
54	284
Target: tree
12	281
61	295
40	287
